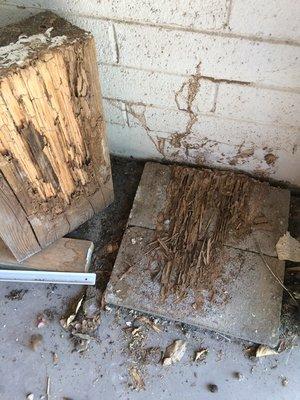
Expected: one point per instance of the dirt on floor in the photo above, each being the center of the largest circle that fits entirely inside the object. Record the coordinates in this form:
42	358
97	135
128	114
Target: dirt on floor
121	350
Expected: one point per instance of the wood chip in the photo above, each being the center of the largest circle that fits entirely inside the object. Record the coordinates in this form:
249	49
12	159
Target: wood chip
137	380
48	388
174	352
263	351
201	354
147	321
288	248
65	322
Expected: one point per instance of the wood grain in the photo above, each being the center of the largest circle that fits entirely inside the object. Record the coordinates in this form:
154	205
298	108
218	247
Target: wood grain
53	148
15	229
65	255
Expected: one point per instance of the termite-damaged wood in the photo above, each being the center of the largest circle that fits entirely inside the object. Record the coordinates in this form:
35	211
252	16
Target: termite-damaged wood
195	240
53	149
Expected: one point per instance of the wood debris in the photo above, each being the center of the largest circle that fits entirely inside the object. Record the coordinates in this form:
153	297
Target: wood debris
149	323
66	322
202	207
30	396
16	294
201	354
80	326
137	379
263	351
288	248
35	341
48	388
174	352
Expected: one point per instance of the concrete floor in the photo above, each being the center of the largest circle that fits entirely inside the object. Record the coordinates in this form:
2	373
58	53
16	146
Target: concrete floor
102	371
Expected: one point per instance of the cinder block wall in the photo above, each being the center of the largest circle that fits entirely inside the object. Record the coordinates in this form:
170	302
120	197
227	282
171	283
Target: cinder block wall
210	82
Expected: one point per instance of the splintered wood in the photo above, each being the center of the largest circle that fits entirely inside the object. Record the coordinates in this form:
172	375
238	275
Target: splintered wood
201	209
192	247
54	163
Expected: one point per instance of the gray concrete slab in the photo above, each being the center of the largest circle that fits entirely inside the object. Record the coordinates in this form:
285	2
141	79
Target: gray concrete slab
101	373
247	301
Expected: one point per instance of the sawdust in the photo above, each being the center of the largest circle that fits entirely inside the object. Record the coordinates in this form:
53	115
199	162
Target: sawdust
202	207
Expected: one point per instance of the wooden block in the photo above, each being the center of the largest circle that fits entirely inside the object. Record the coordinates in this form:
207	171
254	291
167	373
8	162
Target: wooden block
53	147
65	255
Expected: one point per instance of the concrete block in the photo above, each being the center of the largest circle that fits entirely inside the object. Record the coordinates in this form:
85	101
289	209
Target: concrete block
209	127
115	112
159	119
102	32
275	19
218	57
153	88
205	14
258	104
132	142
247	134
195	150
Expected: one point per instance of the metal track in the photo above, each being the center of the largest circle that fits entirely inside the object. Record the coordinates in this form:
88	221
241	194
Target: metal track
73	278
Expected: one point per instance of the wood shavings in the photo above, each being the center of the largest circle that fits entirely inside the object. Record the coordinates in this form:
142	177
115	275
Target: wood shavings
137	379
65	322
174	352
263	351
288	248
80	326
201	354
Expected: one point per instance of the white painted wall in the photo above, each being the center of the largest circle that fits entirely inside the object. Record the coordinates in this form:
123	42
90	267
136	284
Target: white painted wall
213	82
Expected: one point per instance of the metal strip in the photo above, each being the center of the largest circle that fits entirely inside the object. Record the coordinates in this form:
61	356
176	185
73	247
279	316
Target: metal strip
73	278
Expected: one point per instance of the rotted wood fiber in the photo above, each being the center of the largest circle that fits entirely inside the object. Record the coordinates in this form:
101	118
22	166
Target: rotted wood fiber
202	207
53	150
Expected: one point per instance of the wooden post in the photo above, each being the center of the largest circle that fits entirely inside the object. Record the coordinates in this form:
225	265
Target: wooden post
54	161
